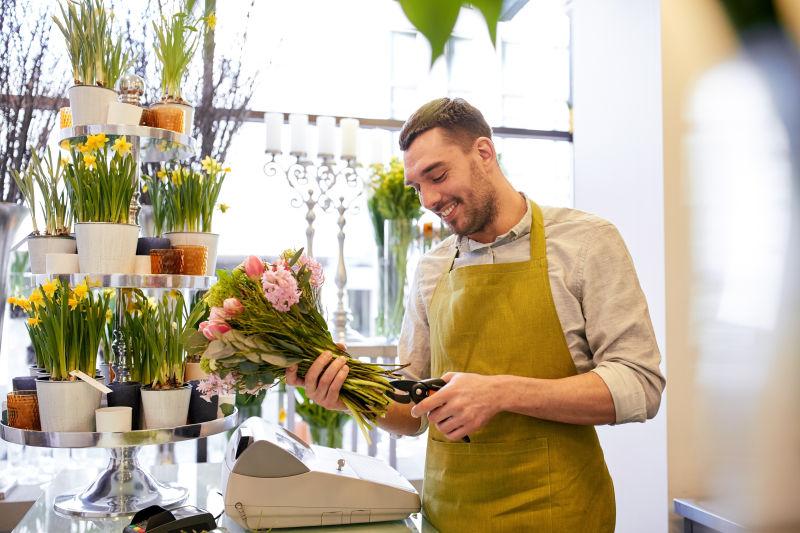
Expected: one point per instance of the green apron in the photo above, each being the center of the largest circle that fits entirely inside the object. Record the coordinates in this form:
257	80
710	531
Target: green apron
519	473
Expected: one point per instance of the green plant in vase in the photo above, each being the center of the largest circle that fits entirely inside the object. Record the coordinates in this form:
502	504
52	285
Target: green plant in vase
177	39
326	426
188	195
393	209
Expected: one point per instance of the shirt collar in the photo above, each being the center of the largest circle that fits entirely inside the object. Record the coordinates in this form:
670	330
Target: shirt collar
520	229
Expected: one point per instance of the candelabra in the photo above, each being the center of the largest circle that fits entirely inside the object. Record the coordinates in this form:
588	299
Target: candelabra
347	202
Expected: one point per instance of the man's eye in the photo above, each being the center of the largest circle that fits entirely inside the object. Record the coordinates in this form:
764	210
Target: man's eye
440	178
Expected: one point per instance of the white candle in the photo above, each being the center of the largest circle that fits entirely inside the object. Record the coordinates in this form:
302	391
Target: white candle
349	137
274	123
379	142
298	124
326	127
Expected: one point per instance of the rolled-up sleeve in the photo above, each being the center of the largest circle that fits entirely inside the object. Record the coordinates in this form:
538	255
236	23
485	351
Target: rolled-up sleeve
618	327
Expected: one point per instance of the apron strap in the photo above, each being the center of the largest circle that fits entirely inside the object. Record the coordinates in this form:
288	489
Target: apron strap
538	248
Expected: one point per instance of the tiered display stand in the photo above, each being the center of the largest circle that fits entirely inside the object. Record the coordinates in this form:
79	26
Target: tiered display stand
123	488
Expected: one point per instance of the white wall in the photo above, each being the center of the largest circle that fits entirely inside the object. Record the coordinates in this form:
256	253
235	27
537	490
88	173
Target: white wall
619	176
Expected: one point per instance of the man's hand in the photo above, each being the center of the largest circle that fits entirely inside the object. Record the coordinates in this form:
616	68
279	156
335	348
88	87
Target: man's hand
323	381
463	406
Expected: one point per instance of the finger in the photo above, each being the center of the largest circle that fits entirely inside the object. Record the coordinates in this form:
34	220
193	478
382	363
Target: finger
329	375
456	434
447	376
448	425
314	371
440	414
428	404
342	346
332	397
292	378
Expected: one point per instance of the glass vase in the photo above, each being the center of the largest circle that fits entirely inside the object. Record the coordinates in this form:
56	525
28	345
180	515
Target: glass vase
330	436
397	239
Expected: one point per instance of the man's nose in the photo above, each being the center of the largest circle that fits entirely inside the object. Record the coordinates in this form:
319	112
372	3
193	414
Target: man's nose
429	198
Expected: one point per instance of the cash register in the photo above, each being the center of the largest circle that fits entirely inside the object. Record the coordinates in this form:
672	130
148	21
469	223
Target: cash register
272	479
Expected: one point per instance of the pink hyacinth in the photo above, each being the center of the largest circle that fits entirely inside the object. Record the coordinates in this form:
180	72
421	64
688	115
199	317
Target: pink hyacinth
213	385
253	267
317	274
232	307
280	287
213	330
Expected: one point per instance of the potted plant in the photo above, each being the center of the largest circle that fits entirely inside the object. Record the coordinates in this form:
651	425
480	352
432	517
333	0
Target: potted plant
177	39
326	426
66	326
393	208
165	396
156	190
190	199
101	181
47	174
97	59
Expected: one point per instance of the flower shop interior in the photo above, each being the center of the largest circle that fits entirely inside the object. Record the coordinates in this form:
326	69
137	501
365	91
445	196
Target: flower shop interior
198	198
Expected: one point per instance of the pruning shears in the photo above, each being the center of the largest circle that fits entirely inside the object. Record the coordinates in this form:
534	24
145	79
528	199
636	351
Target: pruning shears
416	391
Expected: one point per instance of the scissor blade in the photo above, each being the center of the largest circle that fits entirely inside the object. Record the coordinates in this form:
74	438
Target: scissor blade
400	398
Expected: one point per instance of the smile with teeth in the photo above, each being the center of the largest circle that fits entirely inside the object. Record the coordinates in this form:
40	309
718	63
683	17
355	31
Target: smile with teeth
444	213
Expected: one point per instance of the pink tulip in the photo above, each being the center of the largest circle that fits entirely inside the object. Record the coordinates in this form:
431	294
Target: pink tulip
218	314
253	267
232	306
213	330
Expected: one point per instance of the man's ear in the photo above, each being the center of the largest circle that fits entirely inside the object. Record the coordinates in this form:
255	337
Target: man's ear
485	148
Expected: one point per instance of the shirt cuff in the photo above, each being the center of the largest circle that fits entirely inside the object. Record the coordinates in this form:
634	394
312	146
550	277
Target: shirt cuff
626	392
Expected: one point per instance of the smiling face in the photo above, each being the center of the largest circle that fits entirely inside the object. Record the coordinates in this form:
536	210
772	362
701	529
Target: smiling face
454	184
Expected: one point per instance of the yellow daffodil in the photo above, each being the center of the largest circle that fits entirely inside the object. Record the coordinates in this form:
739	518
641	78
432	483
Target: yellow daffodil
36	298
145	188
122	146
161	173
82	148
211	21
95	142
34	321
152	302
226	170
92	282
73	303
224	208
176	177
281	416
49	287
21	302
173	294
81	290
90	161
12	301
109	316
210	165
109	292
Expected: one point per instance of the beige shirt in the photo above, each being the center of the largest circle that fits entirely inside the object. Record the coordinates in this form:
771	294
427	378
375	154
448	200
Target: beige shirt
598	299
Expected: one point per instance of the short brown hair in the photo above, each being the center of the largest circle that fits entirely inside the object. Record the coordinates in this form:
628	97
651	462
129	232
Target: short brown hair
462	122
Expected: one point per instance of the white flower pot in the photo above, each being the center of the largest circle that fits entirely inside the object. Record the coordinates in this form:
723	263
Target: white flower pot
105	248
89	104
188	114
165	408
40	246
209	240
67	405
62	263
122	113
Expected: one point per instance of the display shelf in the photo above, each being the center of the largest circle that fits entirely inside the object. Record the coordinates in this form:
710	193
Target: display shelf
123	488
155	144
128	281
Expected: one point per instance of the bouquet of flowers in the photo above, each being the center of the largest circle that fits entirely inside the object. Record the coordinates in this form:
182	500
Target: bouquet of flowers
265	317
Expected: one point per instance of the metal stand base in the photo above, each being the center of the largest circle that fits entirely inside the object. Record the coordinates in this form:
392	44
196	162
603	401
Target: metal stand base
123	488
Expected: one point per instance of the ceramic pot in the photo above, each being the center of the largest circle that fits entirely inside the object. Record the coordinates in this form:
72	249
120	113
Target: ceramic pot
67	405
20	383
105	248
145	244
62	263
127	394
167	408
41	245
201	410
122	113
89	104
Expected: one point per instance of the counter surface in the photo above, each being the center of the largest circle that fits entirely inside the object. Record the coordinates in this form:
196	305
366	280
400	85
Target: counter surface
203	482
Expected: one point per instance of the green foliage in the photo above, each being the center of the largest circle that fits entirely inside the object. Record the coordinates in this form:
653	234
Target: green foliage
177	39
25	184
184	198
318	418
436	19
96	58
100	182
390	198
49	174
66	327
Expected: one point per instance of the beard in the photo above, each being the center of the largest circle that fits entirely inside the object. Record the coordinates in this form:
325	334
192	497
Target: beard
479	206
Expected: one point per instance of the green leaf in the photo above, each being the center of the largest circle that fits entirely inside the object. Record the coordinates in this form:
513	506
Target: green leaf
491	12
248	367
226	408
435	19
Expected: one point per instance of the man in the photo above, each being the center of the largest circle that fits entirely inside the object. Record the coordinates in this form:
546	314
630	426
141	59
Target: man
535	319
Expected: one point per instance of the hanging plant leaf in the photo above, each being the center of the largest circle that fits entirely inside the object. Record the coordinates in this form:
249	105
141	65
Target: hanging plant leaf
491	13
435	20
